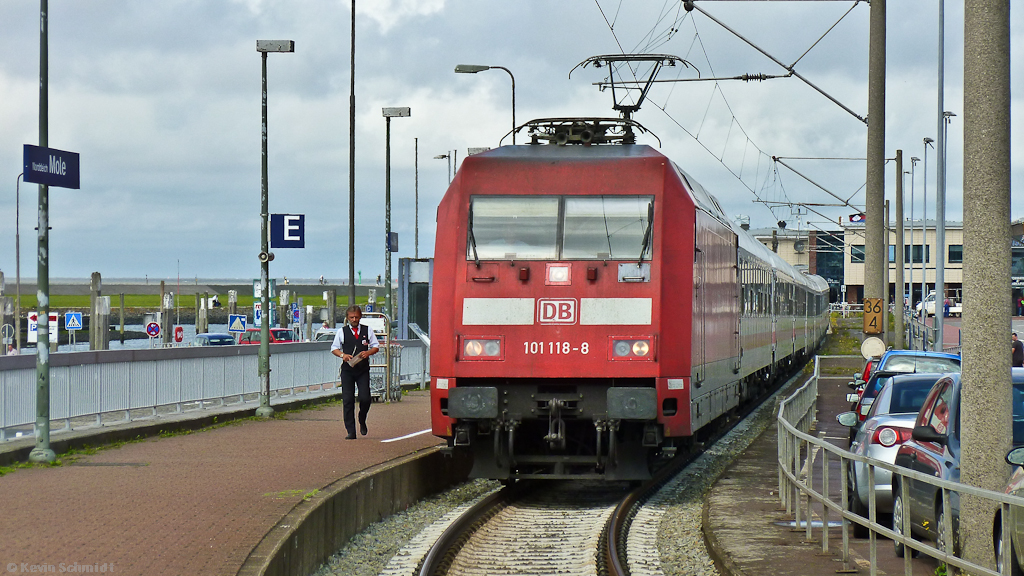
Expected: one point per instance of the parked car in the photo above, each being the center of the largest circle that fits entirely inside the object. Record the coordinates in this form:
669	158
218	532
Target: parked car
277	336
325	334
1015	487
934	450
214	339
899	362
889	423
928	305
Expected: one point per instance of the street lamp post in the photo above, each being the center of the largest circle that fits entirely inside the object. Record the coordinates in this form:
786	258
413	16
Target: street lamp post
17	262
448	157
42	453
924	231
389	113
416	251
940	232
265	411
913	164
473	69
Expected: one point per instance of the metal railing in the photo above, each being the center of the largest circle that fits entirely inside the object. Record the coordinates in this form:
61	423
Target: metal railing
114	386
801	492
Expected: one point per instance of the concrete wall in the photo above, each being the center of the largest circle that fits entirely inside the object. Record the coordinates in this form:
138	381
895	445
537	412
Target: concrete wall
315	529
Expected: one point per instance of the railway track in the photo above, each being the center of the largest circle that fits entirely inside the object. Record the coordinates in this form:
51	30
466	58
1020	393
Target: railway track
573	528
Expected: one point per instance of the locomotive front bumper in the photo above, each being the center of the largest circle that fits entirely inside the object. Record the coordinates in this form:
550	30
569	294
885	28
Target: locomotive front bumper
622	403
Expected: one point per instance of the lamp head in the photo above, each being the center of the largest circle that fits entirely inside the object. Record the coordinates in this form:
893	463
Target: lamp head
397	112
440	157
275	46
928	141
470	68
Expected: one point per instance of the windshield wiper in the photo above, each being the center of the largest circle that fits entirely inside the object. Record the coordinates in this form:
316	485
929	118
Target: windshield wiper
472	239
647	233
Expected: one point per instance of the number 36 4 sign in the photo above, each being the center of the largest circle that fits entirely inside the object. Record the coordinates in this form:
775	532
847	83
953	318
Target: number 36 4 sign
873	315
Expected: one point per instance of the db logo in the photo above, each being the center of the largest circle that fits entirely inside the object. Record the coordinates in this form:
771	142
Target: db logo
561	311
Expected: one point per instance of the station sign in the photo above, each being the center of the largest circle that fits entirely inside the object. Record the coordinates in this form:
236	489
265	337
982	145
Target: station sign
873	316
287	230
50	166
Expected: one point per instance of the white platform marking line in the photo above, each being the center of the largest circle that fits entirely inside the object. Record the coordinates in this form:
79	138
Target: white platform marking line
413	435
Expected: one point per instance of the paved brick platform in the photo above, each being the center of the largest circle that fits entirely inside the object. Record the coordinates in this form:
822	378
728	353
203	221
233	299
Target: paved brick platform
749	531
196	503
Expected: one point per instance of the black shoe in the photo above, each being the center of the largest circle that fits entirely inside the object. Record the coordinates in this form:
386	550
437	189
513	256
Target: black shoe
351	436
362	428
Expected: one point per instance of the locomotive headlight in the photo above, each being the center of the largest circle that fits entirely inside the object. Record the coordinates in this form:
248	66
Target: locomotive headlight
632	349
481	349
558	274
621	348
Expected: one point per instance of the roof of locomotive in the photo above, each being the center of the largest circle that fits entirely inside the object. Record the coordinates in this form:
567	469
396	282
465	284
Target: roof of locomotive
547	152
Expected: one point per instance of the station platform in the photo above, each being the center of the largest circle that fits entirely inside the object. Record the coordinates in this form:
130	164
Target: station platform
748	530
196	503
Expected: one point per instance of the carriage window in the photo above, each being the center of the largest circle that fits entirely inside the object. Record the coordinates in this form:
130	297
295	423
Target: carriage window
506	228
605	227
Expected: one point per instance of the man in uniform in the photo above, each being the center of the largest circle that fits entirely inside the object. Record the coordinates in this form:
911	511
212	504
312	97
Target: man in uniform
354	343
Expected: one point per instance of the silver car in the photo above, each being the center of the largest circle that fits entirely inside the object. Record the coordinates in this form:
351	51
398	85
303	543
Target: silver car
889	424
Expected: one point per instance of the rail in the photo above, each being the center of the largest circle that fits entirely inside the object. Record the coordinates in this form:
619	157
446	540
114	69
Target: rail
96	388
800	490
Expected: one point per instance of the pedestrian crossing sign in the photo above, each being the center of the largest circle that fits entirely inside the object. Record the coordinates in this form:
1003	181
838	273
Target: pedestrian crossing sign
72	320
236	323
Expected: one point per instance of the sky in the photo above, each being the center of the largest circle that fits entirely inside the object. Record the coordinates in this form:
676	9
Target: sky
161	99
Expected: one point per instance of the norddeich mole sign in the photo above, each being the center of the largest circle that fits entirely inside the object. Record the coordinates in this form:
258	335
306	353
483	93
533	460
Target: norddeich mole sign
51	167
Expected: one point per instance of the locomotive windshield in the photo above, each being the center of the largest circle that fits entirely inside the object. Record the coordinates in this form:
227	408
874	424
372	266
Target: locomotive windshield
559	227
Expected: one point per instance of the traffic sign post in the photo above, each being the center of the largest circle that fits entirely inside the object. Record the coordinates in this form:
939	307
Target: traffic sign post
236	323
73	323
153	329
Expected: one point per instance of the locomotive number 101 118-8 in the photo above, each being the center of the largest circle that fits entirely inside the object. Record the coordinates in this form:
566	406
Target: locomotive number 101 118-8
555	348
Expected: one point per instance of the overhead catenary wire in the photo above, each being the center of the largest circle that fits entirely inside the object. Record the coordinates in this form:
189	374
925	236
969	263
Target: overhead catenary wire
666	26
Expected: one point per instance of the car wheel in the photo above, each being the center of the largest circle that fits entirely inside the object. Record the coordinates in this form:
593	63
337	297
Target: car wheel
897	522
1014	567
855	505
942	537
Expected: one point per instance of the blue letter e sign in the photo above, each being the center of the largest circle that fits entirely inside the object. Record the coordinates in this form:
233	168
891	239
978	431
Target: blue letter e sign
287	230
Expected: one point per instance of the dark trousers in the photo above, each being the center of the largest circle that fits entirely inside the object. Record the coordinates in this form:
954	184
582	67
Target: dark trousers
349	380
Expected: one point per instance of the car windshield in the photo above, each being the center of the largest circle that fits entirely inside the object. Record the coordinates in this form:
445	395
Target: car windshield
937	364
220	340
908	397
283	335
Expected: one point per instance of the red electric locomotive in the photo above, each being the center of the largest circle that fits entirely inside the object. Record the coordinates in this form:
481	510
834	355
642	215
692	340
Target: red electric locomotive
593	306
